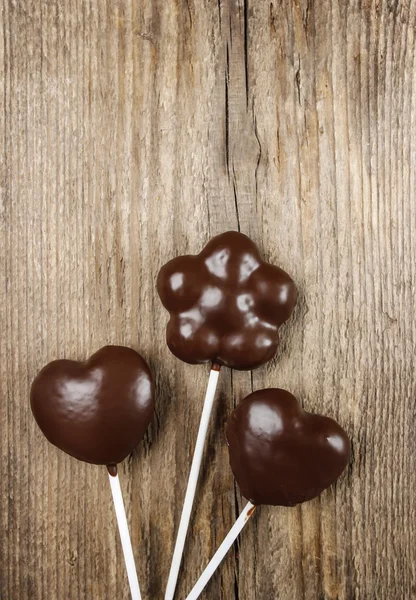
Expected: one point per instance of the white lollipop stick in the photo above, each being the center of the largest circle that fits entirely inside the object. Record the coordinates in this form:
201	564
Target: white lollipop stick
222	551
125	536
192	482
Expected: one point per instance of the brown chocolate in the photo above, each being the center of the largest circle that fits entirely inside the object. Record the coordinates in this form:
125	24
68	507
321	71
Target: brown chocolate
226	304
279	453
98	410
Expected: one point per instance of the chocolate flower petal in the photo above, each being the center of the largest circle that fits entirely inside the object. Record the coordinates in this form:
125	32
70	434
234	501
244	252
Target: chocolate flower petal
178	284
225	304
247	350
275	293
183	338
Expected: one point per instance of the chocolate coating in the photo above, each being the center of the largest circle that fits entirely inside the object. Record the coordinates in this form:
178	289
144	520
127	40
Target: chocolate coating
98	410
279	453
225	304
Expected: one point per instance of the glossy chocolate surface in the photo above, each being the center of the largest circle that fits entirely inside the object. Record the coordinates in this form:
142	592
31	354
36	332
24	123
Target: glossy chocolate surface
281	454
98	410
225	304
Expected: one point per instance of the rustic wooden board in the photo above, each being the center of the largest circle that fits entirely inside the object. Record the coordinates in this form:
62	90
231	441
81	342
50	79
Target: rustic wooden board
134	131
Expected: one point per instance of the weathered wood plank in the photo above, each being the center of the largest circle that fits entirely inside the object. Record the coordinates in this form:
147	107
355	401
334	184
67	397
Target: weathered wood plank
134	131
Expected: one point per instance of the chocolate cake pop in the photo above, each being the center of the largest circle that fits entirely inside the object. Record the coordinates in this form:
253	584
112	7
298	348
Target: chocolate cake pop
98	410
279	453
226	304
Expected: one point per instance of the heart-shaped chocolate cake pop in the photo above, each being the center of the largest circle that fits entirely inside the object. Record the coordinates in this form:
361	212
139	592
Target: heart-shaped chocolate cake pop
98	410
279	453
226	304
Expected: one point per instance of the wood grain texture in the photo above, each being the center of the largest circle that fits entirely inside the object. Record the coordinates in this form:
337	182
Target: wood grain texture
134	131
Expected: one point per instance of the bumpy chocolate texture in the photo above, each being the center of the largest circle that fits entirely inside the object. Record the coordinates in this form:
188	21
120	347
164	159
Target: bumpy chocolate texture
98	410
281	454
226	304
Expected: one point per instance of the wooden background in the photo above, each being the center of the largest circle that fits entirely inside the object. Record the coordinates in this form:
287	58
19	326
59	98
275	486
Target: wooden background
132	131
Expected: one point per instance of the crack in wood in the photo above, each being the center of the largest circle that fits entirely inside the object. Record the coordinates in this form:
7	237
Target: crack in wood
189	13
306	17
297	80
204	185
227	112
256	134
235	198
246	47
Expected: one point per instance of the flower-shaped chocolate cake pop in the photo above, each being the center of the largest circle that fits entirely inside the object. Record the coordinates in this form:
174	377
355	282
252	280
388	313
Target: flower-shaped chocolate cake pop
226	304
279	453
98	410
